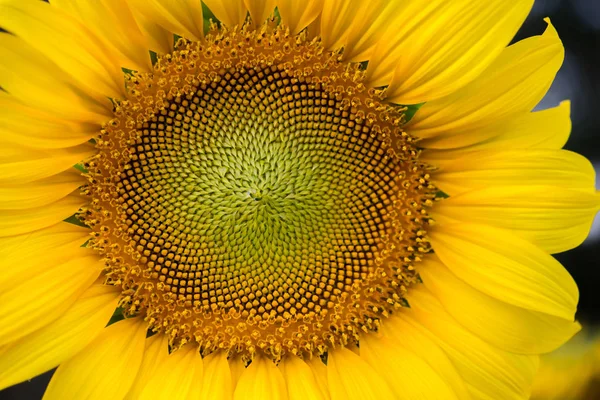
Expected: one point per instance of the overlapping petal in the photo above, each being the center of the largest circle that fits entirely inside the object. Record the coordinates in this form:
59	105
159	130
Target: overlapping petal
297	15
29	304
20	123
419	343
407	374
44	192
350	377
521	167
233	12
369	24
112	21
175	376
106	368
66	42
300	381
183	17
56	342
434	48
160	39
513	84
19	164
44	246
216	379
554	218
508	327
260	10
156	349
547	129
17	222
35	81
488	372
507	268
319	370
261	380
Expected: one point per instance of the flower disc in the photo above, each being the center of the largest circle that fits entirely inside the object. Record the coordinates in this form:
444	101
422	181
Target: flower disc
252	195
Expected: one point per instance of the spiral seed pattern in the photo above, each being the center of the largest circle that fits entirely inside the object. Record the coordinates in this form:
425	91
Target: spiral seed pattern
252	195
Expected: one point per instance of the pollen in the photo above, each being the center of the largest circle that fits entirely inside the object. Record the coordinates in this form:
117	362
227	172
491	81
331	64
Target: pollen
252	195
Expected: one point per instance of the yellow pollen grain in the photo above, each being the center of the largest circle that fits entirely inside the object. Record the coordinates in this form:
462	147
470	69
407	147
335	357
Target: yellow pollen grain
252	195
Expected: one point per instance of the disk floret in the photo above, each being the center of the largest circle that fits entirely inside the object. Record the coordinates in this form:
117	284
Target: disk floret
251	194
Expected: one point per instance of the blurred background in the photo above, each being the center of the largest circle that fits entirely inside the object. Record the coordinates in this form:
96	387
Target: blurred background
578	23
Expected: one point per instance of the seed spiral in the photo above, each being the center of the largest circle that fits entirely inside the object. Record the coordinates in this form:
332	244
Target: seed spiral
251	194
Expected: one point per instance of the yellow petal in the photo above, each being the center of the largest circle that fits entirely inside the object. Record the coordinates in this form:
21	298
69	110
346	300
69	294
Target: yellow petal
372	19
547	129
319	371
434	48
176	376
337	18
159	39
34	80
407	374
216	380
113	22
66	42
43	247
400	331
236	369
156	349
511	86
183	17
313	30
489	372
507	268
260	10
22	124
16	222
350	378
30	304
527	167
261	380
229	12
56	342
300	381
106	368
40	193
20	165
503	325
297	15
554	218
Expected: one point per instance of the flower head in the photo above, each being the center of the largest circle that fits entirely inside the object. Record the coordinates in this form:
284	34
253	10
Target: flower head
320	199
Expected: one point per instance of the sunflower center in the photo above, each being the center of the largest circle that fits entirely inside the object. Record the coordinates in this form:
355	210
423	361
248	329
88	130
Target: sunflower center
252	195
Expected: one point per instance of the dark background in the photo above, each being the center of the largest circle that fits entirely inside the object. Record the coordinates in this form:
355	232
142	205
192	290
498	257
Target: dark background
578	23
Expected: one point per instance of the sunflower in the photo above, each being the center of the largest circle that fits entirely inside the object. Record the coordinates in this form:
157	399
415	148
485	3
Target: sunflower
324	199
